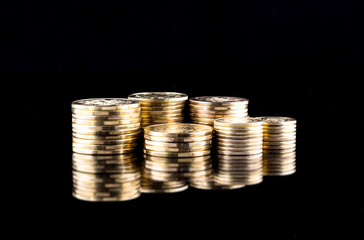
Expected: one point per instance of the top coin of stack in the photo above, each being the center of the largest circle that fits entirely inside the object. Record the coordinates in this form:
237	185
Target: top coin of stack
279	145
160	107
205	109
104	126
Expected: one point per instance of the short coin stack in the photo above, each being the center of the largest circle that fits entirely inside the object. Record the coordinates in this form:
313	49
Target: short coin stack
177	152
279	146
160	107
205	109
105	132
239	148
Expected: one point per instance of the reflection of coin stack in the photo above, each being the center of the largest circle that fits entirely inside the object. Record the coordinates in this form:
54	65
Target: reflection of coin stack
105	132
160	107
177	152
239	148
211	183
279	146
205	109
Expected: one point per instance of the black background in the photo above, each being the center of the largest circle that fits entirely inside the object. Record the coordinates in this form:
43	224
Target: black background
301	59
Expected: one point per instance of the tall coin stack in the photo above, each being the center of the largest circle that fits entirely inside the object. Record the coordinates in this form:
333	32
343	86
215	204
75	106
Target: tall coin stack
105	133
177	152
239	148
160	107
279	146
205	109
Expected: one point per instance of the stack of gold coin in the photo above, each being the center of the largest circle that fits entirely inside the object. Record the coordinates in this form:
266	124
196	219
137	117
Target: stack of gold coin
210	183
177	151
205	109
160	107
105	125
279	146
239	148
105	131
105	177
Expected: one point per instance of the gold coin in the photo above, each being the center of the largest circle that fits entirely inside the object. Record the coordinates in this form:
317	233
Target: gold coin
219	101
107	118
243	149
250	141
238	129
274	120
279	160
106	132
278	139
169	112
178	139
121	157
170	190
178	145
203	119
236	152
177	160
178	130
240	145
279	131
158	97
144	104
77	182
239	137
269	154
218	108
164	108
129	176
239	181
103	194
177	149
218	112
238	133
210	116
279	143
81	168
183	154
254	157
106	137
165	175
283	173
132	113
148	162
104	142
290	146
233	122
104	187
167	120
107	199
105	104
105	128
104	147
103	152
272	151
178	169
104	123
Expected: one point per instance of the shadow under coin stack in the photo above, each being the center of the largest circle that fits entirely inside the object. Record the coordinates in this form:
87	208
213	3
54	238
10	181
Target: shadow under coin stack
160	107
239	148
205	109
105	133
279	146
177	152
